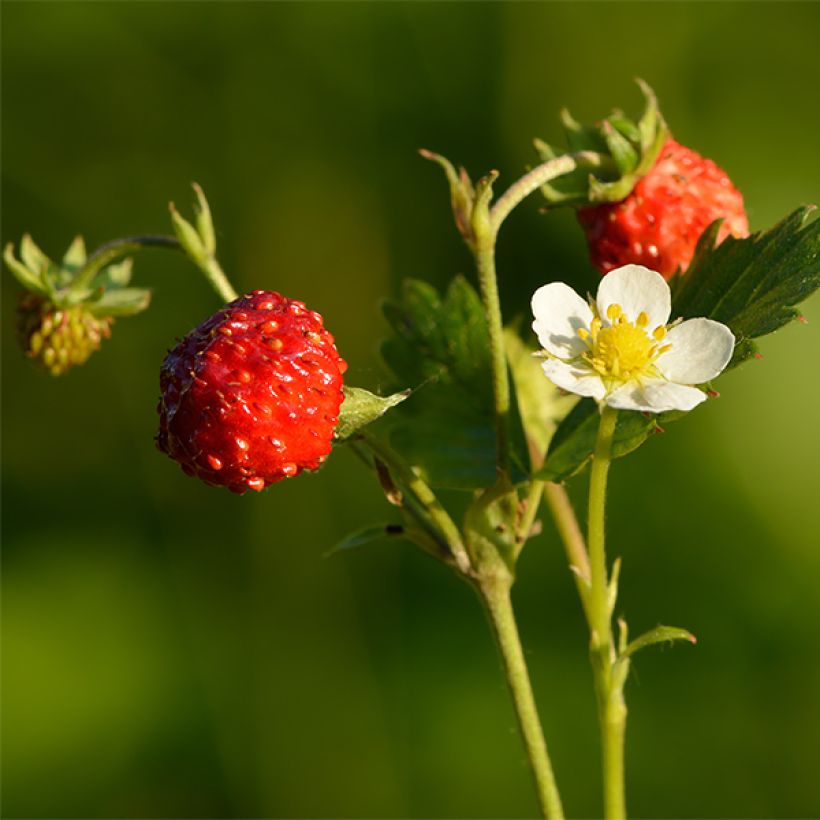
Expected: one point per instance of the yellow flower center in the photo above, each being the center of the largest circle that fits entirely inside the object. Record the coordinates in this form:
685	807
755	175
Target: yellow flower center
624	350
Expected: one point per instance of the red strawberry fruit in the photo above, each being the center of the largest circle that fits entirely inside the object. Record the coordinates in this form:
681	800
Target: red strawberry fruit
642	198
658	225
252	395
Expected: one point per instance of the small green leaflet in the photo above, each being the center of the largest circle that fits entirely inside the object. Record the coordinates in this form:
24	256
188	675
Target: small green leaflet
440	344
361	407
660	634
753	285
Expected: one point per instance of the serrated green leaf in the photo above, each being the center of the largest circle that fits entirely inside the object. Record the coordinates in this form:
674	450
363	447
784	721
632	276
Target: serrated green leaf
361	407
27	278
574	440
660	634
753	285
121	302
442	345
367	535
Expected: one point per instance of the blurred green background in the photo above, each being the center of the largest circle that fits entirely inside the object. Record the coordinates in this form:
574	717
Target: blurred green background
171	650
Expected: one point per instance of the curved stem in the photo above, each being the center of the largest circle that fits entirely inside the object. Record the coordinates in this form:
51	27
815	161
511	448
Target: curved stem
611	708
538	176
426	497
496	598
107	253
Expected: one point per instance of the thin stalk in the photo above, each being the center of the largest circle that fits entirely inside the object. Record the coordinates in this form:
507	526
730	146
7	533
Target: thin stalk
531	505
611	708
107	253
216	278
426	497
484	252
496	598
533	180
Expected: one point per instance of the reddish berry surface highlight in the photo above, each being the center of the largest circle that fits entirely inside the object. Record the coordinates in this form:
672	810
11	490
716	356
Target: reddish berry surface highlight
659	224
252	395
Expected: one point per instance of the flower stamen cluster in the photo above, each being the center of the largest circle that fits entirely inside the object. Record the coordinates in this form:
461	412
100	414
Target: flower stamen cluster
623	350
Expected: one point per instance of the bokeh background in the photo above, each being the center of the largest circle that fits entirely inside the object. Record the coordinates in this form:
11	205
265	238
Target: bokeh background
170	650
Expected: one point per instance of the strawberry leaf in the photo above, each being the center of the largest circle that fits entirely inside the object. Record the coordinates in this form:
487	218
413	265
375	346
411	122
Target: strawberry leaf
441	344
753	285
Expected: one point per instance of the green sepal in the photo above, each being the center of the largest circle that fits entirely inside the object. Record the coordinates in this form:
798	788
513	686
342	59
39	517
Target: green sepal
660	634
74	258
361	407
367	535
624	154
188	236
29	279
631	148
204	220
33	258
119	302
462	193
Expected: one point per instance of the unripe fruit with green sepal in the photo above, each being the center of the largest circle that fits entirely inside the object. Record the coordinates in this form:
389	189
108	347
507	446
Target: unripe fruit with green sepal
66	310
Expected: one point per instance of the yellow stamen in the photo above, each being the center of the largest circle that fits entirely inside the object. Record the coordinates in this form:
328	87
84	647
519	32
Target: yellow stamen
642	320
613	312
659	333
583	333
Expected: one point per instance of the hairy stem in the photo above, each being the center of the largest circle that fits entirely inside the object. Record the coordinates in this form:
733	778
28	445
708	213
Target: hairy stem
611	708
533	180
496	598
485	262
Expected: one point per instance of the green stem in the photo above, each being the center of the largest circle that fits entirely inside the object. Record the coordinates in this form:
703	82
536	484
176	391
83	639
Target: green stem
432	507
496	598
611	708
216	278
533	180
531	505
484	252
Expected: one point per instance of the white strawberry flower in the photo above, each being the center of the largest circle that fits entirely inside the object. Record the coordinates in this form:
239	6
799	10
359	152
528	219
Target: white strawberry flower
620	350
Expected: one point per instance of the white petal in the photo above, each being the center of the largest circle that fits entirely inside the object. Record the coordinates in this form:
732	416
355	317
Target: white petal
574	378
559	312
701	348
636	289
655	396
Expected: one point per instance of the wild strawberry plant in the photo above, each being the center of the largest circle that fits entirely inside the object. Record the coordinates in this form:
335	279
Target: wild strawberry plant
254	394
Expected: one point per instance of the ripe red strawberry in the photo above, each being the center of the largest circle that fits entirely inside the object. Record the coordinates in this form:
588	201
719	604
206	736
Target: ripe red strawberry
252	395
660	222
